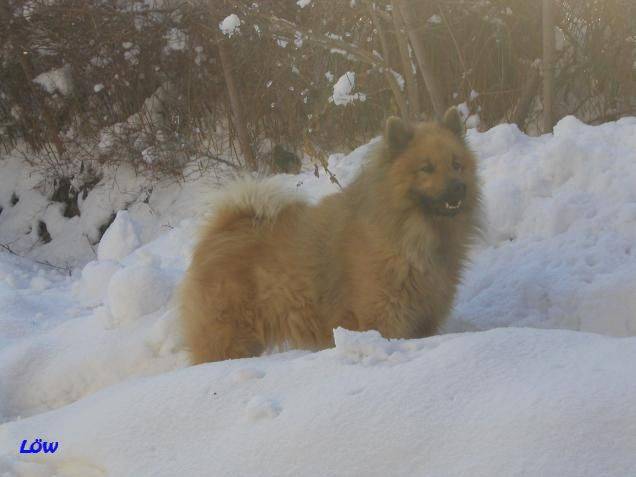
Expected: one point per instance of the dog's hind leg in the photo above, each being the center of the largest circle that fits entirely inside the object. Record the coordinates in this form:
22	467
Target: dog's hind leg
219	322
216	339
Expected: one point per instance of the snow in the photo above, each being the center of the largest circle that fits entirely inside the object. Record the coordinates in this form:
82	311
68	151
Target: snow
200	57
230	25
120	239
176	39
92	287
561	231
532	375
298	39
303	3
400	80
503	402
463	110
471	121
261	407
132	55
342	90
58	80
138	290
155	208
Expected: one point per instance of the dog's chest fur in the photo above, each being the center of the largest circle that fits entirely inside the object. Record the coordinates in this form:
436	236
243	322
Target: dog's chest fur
401	289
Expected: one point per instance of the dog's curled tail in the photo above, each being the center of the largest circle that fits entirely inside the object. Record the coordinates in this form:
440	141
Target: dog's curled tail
262	199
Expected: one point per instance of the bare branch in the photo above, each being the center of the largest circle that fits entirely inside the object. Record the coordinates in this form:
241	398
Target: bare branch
388	74
285	26
417	42
405	58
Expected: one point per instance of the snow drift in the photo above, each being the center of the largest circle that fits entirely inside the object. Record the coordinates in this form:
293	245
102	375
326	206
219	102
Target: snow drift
504	402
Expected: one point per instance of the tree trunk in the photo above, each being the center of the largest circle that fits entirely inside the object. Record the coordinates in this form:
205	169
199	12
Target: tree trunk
409	17
235	104
548	65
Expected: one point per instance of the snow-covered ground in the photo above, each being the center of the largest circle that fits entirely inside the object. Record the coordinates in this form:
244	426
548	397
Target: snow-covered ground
94	360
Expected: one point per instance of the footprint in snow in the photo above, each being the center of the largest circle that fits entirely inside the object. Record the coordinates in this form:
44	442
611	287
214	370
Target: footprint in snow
260	407
355	391
246	374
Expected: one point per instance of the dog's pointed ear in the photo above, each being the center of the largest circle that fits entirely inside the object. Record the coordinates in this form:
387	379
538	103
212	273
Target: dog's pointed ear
453	121
397	134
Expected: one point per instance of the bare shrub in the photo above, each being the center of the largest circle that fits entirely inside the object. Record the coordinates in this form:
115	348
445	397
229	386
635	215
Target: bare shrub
91	83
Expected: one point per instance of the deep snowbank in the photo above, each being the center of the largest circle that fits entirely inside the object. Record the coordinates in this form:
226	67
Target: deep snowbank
557	252
504	402
155	207
562	230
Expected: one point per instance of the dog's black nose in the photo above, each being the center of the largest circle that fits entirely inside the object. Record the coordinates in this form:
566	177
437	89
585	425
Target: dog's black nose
456	190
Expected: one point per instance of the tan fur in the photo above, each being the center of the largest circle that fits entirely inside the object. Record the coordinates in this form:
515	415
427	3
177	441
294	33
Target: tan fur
270	269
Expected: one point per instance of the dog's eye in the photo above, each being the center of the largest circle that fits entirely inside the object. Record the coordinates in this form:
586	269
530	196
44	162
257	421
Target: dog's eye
458	166
428	168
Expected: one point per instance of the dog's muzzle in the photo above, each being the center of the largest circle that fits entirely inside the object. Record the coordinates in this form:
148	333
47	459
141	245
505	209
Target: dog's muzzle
448	204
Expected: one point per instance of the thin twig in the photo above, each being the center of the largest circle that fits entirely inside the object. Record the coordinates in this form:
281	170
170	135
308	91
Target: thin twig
66	268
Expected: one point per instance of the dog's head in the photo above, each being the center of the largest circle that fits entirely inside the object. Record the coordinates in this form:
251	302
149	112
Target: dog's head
431	167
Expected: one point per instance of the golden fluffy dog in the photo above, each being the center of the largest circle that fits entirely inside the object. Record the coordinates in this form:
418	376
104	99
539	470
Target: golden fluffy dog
385	253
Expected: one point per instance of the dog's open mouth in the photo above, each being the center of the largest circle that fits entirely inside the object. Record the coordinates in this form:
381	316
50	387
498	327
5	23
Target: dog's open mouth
453	204
447	208
442	206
